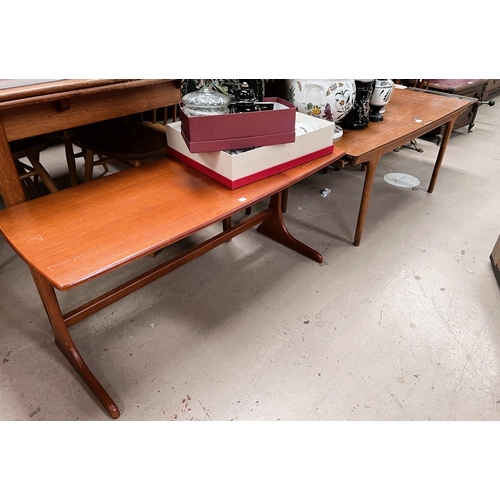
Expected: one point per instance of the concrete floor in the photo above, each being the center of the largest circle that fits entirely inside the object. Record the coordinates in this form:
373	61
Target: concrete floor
404	327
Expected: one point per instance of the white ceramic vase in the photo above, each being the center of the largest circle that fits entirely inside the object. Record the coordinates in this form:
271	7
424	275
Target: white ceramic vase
327	99
382	92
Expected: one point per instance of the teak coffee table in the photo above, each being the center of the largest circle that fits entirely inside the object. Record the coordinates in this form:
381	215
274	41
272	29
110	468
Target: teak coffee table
75	235
410	113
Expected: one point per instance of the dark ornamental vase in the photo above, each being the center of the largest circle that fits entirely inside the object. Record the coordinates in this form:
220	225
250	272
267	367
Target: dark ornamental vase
245	100
359	116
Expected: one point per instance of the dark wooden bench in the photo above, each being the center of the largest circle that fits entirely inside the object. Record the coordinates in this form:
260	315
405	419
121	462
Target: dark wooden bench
75	235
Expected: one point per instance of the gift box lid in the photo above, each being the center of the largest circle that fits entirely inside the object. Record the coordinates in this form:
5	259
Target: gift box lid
240	130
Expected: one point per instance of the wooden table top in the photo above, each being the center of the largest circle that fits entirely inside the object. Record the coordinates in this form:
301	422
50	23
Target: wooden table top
6	83
408	115
92	223
14	93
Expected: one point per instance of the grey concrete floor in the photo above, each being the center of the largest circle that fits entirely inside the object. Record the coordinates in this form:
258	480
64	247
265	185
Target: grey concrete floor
404	327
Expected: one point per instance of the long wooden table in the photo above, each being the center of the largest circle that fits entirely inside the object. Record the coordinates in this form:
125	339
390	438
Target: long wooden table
55	106
409	114
75	235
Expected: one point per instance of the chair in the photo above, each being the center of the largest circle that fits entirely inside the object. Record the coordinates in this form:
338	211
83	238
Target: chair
29	175
127	141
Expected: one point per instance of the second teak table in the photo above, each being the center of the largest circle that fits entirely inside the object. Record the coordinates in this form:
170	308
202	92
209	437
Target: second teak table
411	113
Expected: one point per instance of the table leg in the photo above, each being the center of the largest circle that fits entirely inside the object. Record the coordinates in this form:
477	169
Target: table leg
70	157
274	227
284	200
226	223
10	185
442	150
66	345
371	167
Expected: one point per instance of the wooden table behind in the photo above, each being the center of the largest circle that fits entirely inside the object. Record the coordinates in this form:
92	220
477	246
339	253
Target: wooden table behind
42	108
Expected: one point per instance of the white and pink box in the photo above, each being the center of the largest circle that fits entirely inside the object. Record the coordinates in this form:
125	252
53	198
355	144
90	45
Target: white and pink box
243	168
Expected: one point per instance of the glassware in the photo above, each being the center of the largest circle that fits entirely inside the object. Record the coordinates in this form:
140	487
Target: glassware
205	102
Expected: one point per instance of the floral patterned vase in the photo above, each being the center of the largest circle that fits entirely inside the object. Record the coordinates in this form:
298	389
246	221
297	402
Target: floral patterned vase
327	99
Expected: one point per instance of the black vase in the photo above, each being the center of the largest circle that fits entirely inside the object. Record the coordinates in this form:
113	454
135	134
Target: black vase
359	116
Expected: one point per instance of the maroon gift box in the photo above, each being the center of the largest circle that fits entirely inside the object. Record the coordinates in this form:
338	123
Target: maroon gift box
240	130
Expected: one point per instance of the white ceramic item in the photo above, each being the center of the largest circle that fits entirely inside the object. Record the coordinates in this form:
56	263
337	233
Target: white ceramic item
327	99
382	92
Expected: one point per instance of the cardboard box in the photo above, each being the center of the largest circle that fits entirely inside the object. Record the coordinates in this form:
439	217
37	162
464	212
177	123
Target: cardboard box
238	170
240	130
495	260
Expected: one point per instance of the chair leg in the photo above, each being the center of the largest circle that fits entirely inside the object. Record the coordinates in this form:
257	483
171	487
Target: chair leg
70	157
104	164
29	187
42	173
89	165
